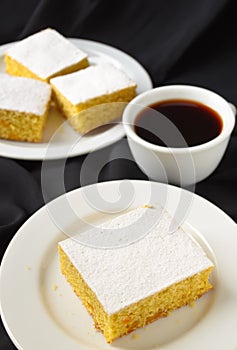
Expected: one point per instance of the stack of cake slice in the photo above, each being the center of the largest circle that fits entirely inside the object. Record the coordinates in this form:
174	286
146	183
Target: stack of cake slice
87	96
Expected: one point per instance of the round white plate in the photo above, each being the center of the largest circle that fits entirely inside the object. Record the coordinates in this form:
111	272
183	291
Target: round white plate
67	142
40	310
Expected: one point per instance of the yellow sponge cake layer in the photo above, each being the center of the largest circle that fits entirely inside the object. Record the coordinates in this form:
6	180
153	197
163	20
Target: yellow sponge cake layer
93	96
20	126
44	55
127	287
24	105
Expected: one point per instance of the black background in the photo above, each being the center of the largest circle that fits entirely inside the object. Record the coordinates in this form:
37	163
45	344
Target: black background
186	42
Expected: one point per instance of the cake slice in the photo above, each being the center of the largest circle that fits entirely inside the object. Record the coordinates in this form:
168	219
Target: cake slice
24	105
127	287
93	96
44	55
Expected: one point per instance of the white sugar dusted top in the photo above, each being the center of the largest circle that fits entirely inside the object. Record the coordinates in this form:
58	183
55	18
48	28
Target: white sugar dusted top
122	276
24	94
91	82
46	53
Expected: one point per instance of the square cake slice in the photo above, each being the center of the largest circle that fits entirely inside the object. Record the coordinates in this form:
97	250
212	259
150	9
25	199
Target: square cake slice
93	96
44	55
24	105
129	286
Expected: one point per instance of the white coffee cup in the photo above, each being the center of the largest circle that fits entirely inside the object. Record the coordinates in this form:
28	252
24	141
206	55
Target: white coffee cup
179	166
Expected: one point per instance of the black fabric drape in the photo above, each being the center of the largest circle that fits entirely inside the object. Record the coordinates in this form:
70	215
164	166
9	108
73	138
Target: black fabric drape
186	42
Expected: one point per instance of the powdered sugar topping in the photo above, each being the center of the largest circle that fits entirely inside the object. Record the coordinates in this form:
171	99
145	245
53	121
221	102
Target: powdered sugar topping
92	82
23	94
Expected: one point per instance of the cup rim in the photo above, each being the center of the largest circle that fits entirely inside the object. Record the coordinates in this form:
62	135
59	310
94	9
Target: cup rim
225	132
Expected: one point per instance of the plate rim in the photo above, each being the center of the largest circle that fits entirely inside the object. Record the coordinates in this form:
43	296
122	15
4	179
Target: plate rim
10	150
72	193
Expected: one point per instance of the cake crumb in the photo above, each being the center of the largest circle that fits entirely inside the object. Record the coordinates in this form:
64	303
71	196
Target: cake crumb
135	336
148	206
28	268
192	303
55	287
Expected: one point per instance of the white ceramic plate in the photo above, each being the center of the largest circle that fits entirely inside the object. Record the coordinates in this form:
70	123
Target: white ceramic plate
40	310
67	142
